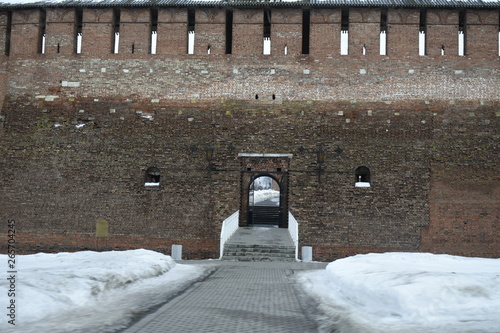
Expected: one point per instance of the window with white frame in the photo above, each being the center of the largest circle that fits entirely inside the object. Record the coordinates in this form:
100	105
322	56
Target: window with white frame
362	177
152	177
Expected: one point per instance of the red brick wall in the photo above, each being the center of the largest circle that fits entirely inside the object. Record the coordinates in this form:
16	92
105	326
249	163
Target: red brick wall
481	32
364	29
402	34
442	30
97	32
414	121
325	32
172	31
286	29
60	31
29	243
135	31
248	31
464	216
210	30
25	32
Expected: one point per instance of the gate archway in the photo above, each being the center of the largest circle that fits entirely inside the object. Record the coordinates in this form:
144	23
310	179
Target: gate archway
258	166
264	201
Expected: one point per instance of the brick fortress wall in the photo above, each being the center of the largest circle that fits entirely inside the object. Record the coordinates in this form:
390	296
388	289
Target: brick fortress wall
79	131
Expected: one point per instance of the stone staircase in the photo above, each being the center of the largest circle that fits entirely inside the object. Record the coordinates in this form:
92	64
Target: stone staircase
260	244
264	215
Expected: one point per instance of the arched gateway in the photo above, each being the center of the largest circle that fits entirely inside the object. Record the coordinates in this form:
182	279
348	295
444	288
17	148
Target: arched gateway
255	167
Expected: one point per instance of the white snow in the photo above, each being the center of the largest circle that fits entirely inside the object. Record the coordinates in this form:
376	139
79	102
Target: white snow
374	293
407	292
90	291
264	195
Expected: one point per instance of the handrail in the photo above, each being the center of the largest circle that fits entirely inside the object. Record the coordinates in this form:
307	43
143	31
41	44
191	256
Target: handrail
293	229
229	226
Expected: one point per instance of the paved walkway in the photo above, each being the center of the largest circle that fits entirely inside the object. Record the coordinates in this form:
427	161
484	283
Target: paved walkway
237	297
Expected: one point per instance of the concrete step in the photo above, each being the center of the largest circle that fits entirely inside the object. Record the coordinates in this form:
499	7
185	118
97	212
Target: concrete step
260	244
265	215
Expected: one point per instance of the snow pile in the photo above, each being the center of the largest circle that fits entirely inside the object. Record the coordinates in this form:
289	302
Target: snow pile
263	195
407	292
91	291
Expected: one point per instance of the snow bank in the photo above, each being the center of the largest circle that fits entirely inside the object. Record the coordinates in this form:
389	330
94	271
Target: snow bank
90	291
264	195
407	292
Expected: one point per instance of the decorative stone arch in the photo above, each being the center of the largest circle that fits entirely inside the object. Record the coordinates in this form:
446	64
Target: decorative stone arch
254	166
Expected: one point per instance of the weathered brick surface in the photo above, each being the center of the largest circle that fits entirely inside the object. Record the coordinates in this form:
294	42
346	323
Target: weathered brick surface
402	32
248	31
286	30
325	32
442	31
60	31
481	25
364	30
135	31
78	132
210	31
25	35
97	31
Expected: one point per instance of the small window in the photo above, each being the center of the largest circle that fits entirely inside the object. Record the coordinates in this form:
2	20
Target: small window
362	174
152	177
79	29
154	29
267	32
116	27
344	33
383	32
422	29
41	31
191	24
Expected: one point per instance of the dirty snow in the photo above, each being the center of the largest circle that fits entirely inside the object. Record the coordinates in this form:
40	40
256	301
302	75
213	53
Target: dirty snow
407	292
89	291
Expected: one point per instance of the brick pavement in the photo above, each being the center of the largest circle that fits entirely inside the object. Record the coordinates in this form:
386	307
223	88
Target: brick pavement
236	297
